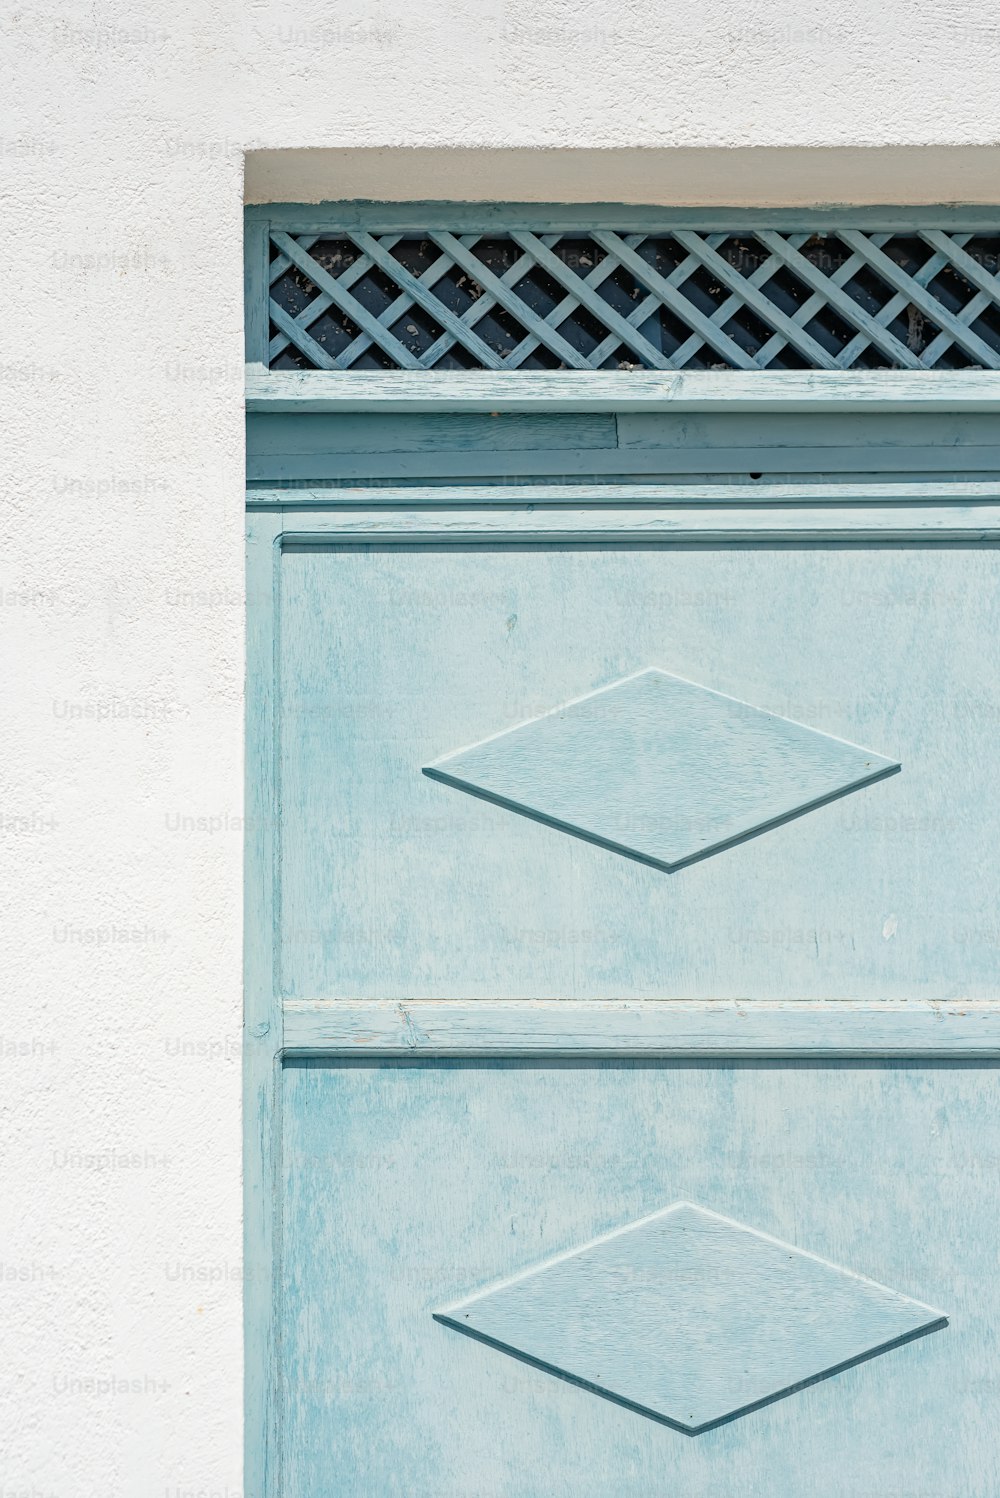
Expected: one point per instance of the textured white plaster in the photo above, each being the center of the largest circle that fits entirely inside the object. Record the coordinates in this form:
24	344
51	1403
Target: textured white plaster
121	151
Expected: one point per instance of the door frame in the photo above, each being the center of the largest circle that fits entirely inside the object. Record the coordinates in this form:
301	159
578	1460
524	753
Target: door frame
966	512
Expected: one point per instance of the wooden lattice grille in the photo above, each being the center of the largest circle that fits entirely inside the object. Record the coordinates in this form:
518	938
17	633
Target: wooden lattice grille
600	299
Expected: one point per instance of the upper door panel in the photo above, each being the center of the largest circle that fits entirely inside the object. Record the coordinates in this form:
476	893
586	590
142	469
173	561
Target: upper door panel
815	871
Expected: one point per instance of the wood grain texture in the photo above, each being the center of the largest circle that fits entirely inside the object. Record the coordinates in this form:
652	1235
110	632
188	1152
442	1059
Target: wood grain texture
651	499
695	443
434	435
691	1318
660	769
610	466
411	1185
600	447
636	390
651	1029
391	656
473	1045
719	524
256	246
262	1020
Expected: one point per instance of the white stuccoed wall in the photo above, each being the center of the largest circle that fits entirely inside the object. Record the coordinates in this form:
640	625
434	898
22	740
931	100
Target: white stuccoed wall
121	147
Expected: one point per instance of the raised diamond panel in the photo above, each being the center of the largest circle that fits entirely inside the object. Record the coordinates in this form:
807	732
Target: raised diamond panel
661	769
691	1318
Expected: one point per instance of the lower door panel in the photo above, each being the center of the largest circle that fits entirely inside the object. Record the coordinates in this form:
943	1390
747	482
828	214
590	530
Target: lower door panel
735	1346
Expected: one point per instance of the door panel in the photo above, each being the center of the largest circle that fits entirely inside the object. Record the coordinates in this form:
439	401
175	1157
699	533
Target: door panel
411	1185
393	885
606	1247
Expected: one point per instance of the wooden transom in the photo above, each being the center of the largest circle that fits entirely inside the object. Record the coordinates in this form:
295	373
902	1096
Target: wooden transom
350	298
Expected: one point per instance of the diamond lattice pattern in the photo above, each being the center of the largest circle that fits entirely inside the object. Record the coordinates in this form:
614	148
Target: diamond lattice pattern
350	299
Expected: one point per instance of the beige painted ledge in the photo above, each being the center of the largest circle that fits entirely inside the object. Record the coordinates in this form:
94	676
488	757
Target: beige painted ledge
695	177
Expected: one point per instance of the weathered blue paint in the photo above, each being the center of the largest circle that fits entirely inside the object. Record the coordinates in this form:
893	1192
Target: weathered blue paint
409	1185
676	1029
387	218
539	518
885	894
262	1022
814	390
400	615
660	769
647	289
256	249
691	1318
602	450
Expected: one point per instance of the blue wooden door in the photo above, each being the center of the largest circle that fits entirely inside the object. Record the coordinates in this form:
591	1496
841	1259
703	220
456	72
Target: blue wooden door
636	1121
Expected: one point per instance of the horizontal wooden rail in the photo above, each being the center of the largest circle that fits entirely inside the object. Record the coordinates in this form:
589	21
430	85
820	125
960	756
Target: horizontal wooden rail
679	525
564	218
638	390
567	1028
